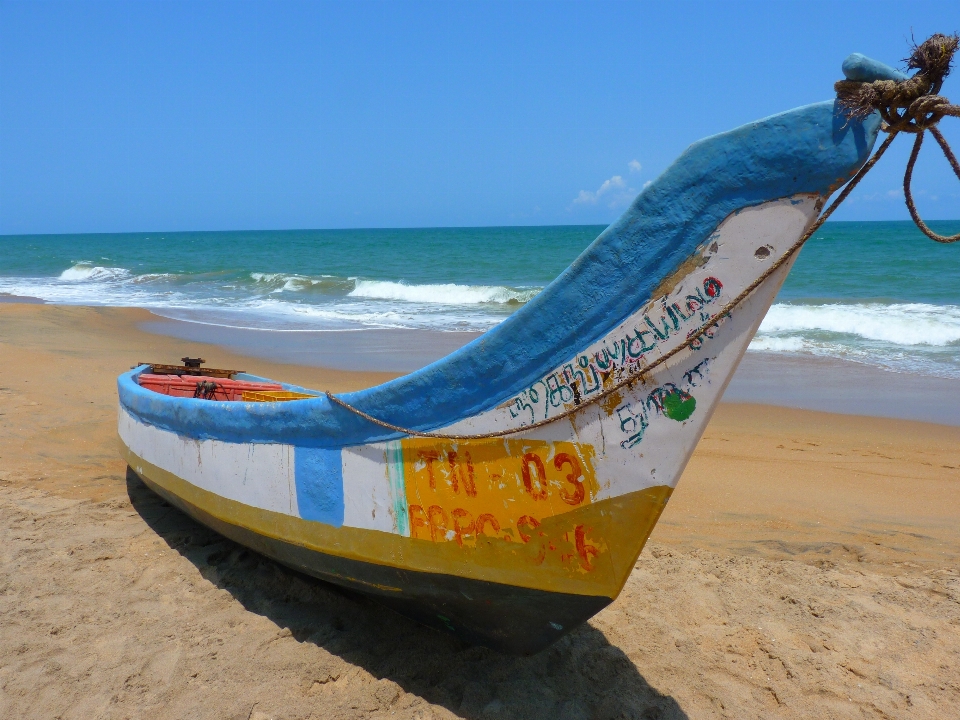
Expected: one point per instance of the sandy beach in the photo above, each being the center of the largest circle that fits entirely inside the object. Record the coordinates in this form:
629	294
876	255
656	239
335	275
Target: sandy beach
808	565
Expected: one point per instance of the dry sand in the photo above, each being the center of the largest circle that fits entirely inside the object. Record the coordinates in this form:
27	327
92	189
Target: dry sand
807	566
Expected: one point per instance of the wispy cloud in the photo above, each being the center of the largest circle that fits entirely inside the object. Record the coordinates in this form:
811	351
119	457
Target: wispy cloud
613	185
614	193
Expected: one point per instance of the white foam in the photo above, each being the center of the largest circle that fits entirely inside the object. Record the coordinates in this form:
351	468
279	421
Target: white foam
776	344
280	316
899	324
84	271
376	314
239	308
294	284
281	282
444	294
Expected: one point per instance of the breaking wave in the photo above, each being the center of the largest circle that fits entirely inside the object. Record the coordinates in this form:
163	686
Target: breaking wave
903	337
283	282
281	301
908	337
83	271
898	324
444	294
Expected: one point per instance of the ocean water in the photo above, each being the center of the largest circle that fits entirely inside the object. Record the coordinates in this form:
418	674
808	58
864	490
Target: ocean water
877	293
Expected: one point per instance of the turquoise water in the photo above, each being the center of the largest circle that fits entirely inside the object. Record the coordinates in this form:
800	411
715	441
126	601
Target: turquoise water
446	279
878	293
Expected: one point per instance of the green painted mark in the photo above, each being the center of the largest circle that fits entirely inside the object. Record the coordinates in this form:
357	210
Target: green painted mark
679	405
398	487
446	621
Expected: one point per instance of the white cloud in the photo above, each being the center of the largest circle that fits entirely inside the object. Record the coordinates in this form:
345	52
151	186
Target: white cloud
647	184
613	185
613	192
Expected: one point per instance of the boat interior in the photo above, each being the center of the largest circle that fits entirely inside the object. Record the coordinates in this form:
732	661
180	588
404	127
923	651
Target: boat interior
190	380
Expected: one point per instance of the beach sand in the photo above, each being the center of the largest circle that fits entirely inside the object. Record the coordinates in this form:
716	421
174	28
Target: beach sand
808	565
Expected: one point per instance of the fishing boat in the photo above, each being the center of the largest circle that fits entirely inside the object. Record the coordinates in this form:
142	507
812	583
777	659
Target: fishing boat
504	493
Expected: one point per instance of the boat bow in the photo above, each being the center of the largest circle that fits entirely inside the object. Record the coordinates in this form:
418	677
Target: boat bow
512	541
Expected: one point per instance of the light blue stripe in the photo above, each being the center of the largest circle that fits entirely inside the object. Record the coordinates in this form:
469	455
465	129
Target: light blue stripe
319	481
863	69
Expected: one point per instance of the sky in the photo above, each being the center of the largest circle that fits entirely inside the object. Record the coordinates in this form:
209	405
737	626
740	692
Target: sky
146	116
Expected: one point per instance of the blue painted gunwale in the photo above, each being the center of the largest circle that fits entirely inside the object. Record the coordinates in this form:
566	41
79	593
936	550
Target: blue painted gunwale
863	69
812	149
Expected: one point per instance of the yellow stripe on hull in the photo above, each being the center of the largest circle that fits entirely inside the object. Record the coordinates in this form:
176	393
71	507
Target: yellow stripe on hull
587	551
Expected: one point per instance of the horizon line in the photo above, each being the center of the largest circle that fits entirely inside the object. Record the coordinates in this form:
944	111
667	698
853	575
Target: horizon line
386	228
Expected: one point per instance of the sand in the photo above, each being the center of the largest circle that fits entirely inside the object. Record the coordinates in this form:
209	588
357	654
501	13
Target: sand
807	566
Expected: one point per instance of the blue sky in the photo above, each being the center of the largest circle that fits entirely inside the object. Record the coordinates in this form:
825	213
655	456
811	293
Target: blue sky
206	116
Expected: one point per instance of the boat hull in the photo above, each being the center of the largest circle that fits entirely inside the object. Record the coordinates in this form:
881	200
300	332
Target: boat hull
541	454
505	617
508	542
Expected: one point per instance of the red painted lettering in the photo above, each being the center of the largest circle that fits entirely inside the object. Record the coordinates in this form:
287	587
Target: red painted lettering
541	492
530	522
469	485
417	519
575	477
712	287
487	519
460	530
438	522
584	550
428	456
456	474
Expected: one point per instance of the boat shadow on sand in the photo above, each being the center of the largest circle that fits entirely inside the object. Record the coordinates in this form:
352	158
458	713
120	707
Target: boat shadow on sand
581	676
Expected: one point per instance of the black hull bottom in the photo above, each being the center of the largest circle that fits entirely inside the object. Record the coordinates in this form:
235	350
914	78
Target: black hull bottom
509	619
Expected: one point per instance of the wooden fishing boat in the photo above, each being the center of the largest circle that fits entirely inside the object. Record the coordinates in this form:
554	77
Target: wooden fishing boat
537	459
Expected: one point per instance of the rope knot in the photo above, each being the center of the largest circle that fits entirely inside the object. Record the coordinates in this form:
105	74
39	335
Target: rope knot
912	105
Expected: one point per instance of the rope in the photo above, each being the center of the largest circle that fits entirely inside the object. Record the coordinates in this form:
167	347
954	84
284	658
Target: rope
922	110
908	176
911	106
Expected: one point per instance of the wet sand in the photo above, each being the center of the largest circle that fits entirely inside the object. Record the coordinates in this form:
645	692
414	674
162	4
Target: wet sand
841	386
21	299
807	566
387	350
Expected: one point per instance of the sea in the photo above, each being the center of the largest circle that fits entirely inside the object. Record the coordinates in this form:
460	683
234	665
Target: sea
876	293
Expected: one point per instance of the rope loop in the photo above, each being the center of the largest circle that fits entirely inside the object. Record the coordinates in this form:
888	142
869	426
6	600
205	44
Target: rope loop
908	177
911	106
